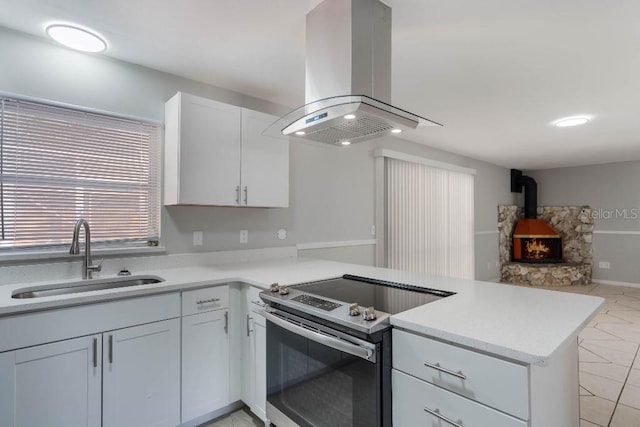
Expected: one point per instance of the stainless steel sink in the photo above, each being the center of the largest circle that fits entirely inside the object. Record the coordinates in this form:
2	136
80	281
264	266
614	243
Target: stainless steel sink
86	286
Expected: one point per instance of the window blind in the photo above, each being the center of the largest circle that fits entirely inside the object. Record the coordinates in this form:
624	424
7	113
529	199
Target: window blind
430	216
60	164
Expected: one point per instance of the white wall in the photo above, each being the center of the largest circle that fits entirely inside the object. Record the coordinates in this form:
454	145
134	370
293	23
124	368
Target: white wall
332	189
606	188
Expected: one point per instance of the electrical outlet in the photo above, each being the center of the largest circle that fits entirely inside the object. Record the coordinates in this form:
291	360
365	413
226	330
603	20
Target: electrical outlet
605	265
244	236
282	233
198	238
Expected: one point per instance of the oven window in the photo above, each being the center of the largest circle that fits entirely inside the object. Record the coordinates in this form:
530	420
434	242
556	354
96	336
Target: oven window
317	386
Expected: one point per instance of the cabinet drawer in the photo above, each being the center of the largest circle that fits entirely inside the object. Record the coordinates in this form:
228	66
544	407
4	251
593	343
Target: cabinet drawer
202	300
497	383
412	399
255	303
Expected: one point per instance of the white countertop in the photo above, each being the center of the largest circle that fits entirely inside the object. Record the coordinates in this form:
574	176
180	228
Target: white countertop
524	324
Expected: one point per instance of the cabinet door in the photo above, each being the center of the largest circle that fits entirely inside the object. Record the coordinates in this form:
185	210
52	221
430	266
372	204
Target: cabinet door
209	153
141	375
52	385
259	366
265	163
205	363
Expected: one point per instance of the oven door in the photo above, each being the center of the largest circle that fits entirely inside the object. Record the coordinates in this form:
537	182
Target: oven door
319	377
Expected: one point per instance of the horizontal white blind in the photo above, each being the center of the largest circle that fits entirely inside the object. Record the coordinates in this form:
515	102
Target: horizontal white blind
60	164
430	217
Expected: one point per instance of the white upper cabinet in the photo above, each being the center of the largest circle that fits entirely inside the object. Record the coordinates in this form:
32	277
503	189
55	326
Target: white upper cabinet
215	154
265	163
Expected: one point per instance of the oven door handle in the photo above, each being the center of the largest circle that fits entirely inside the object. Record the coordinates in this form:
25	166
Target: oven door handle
329	341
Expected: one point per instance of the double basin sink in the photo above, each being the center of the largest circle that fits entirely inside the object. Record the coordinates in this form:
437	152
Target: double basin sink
85	286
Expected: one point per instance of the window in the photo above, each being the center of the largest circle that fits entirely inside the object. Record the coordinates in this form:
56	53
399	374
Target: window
60	164
428	216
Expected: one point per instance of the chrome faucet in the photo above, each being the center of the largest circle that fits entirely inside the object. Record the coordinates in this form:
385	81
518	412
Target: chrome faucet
87	267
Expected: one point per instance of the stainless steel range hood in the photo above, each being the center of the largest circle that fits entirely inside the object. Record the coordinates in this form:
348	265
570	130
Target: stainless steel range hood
348	77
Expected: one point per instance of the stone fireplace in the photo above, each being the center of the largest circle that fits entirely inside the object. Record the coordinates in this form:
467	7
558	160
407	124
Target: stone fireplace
575	226
544	246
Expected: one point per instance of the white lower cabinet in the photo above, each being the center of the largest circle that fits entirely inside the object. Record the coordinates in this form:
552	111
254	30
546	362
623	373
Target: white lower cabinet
141	376
491	381
255	354
205	363
205	351
438	383
258	366
424	404
126	377
55	384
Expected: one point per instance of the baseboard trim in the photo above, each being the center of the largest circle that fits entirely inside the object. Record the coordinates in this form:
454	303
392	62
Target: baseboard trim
215	414
337	244
614	283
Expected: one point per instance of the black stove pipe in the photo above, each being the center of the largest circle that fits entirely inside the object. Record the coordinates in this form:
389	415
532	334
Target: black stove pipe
519	181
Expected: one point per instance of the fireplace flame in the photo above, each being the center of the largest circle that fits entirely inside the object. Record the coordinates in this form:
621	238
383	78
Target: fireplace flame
536	249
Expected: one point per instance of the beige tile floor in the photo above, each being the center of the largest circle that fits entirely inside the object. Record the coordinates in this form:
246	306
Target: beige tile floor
240	418
609	360
609	363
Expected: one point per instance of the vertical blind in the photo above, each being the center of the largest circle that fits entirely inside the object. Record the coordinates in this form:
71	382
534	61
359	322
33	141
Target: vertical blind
60	164
430	216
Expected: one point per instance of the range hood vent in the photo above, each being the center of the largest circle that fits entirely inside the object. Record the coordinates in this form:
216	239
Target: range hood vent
348	77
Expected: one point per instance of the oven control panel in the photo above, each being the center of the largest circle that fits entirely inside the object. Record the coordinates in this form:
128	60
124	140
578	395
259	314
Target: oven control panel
316	302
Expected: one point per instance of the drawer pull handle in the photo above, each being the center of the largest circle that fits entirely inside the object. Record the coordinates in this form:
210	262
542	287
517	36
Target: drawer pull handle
111	349
436	413
207	301
437	367
95	352
249	330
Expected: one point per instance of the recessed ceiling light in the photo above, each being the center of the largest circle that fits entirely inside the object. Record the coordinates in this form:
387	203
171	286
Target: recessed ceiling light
345	142
396	130
571	121
300	133
76	38
350	116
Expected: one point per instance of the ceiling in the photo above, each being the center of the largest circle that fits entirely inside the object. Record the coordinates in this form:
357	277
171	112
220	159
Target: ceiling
496	73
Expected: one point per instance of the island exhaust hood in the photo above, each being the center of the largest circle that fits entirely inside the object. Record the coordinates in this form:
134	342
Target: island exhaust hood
348	77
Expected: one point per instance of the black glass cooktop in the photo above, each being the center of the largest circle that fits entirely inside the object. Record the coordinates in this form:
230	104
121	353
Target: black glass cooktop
389	297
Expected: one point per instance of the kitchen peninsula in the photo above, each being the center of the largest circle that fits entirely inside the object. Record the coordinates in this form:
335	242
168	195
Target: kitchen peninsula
517	346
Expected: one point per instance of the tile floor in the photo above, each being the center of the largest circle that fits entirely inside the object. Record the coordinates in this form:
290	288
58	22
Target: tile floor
609	360
609	363
240	418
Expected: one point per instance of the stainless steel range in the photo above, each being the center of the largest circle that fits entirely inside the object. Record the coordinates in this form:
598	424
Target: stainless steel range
329	350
